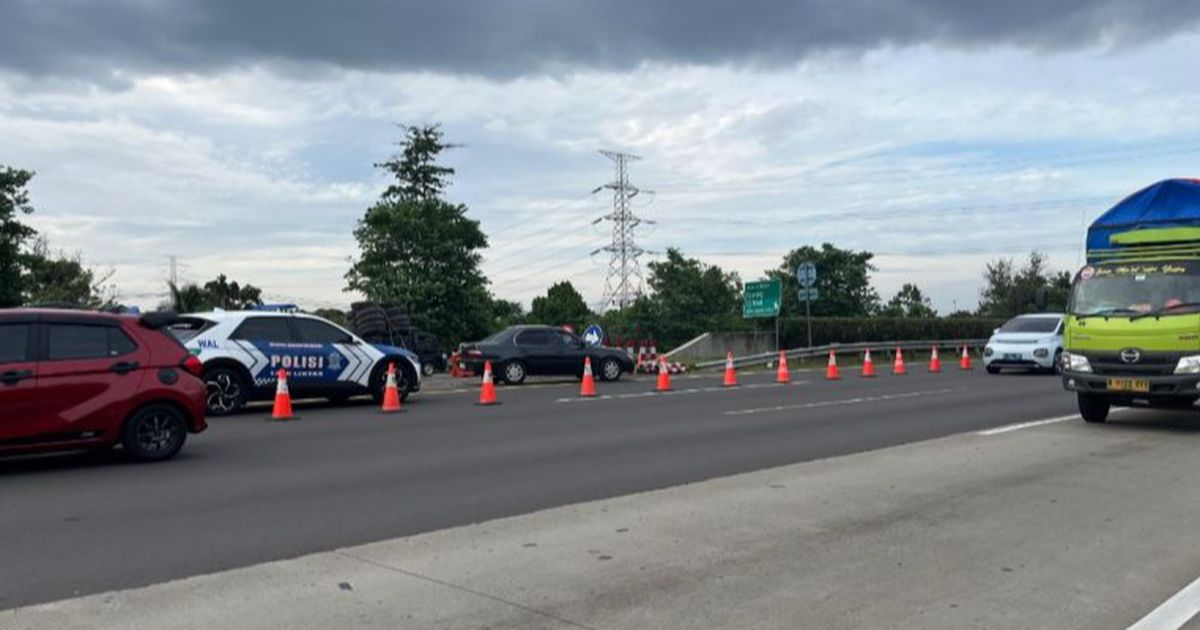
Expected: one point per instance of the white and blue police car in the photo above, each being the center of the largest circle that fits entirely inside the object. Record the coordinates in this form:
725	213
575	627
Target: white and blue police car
243	351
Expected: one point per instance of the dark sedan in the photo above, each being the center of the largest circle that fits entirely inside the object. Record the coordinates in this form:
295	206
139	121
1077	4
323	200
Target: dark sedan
520	351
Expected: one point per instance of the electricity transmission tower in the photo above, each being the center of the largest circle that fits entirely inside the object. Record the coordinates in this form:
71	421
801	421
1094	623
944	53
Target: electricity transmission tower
623	278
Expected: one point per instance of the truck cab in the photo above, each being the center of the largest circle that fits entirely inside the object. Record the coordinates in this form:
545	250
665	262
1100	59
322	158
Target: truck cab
1132	334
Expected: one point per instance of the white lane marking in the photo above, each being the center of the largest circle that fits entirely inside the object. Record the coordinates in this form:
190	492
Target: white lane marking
844	401
1174	612
679	392
1026	425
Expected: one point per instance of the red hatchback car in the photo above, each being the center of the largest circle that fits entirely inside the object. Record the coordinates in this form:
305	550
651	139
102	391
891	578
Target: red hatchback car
81	379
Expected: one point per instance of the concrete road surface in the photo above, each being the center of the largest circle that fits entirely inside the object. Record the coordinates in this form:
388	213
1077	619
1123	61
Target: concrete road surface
251	491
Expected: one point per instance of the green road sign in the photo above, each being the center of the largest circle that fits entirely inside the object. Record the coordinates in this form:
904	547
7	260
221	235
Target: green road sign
761	298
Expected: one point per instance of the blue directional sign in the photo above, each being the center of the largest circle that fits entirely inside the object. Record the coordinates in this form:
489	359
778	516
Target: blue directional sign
806	274
593	335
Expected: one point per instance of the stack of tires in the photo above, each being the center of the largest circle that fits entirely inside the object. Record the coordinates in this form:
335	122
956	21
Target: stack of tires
384	323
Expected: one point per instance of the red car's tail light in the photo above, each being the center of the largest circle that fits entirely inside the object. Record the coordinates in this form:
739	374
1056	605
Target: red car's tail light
193	365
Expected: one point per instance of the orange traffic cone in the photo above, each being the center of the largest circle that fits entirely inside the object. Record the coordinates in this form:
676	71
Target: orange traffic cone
898	364
782	375
935	364
588	388
283	399
965	362
730	372
487	395
831	370
391	393
664	376
868	368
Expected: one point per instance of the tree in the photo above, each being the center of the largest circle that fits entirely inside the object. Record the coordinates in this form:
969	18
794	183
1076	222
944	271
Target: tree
231	296
418	175
420	250
689	298
909	302
14	199
334	315
60	279
1008	292
843	282
188	298
506	313
562	304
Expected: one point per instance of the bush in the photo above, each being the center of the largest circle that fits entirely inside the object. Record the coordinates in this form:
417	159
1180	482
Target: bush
826	330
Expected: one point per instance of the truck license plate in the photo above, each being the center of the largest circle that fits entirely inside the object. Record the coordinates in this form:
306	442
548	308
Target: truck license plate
1128	385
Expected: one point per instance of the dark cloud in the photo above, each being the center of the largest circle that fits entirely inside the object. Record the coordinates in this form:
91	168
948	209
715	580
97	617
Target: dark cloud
505	38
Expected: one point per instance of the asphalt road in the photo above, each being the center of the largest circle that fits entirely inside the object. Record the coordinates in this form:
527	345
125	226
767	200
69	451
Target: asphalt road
250	491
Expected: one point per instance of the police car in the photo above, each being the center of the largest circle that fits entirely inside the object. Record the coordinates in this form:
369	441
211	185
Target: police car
243	351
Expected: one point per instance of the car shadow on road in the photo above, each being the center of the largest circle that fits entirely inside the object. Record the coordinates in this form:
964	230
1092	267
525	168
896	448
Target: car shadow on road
50	462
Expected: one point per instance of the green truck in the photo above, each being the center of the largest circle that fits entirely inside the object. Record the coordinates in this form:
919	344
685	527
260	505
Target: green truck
1132	335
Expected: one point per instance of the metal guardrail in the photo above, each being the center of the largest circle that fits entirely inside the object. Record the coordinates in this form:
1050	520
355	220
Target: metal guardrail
845	348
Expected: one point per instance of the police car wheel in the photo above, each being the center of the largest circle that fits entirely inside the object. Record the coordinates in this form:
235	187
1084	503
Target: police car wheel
379	382
610	370
226	391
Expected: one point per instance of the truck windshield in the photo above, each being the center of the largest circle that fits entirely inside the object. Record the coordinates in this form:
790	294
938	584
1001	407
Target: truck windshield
1135	288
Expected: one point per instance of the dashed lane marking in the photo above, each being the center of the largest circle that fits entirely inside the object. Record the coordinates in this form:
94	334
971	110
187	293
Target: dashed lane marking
835	403
680	392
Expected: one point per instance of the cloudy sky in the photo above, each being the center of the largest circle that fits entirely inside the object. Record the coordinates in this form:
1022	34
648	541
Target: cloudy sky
239	135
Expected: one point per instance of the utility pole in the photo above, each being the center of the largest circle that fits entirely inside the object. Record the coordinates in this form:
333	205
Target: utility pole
173	274
623	279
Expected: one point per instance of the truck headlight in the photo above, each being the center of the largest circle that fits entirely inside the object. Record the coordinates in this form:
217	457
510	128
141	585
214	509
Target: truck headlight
1041	353
1188	365
1076	362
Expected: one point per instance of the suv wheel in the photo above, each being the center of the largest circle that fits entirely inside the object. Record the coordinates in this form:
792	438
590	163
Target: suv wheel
427	369
154	433
226	391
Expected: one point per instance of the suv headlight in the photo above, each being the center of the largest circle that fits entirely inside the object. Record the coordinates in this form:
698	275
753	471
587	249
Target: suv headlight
1041	353
987	352
1076	362
1188	365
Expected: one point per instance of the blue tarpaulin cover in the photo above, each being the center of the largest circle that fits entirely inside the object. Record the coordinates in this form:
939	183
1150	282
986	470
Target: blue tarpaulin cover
1169	203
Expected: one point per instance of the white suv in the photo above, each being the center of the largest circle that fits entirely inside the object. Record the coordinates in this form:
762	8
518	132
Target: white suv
242	352
1027	342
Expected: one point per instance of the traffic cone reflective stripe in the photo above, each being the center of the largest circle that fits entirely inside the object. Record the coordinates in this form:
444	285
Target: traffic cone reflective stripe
831	370
730	372
935	364
664	377
782	375
898	364
487	395
868	368
391	392
588	388
283	399
965	362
